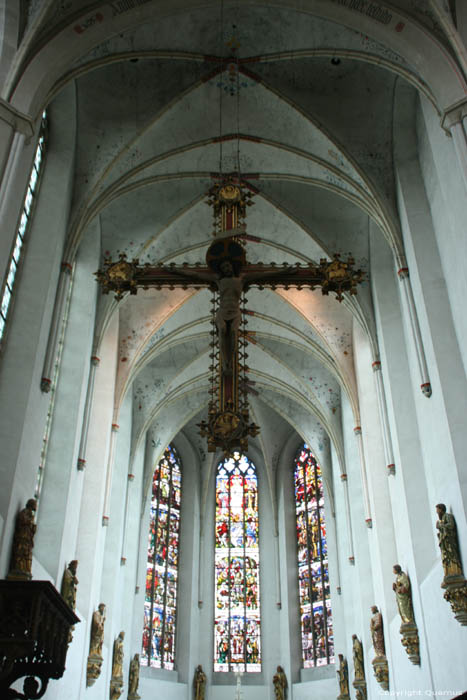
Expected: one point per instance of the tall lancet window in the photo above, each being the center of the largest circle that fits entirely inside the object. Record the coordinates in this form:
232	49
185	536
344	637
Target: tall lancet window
313	572
162	566
237	614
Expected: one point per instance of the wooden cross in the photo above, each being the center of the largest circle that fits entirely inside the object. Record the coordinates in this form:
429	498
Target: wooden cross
229	276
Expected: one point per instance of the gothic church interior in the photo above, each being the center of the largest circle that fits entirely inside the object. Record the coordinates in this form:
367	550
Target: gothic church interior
346	122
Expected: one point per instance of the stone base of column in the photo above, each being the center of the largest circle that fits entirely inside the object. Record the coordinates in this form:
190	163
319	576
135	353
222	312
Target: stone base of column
381	670
360	689
410	641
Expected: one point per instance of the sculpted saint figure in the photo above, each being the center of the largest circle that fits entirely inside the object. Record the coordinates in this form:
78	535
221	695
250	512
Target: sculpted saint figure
23	542
230	282
343	676
377	635
401	588
97	631
357	651
448	542
199	683
280	684
69	584
133	680
117	659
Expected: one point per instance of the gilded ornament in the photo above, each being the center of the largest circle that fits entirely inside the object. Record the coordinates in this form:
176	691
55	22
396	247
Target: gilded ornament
280	684
453	582
133	679
95	647
199	683
23	543
343	678
380	662
68	589
116	681
359	681
408	628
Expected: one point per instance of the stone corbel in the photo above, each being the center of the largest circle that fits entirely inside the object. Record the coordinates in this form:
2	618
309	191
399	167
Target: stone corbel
22	123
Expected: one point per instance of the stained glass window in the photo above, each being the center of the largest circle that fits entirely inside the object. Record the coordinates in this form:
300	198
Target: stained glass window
313	572
23	225
237	642
162	566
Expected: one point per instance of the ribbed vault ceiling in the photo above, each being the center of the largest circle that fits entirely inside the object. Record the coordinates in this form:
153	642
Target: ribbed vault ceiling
310	125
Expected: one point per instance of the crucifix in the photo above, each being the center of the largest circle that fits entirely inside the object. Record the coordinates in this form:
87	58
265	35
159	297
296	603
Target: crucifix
228	274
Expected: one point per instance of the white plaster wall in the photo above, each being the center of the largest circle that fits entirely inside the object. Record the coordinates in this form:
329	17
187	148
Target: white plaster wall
23	406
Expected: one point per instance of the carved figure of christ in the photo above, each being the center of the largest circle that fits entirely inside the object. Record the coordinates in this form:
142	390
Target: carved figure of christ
228	317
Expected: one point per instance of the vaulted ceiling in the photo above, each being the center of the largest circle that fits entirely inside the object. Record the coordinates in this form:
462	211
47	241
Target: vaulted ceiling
297	97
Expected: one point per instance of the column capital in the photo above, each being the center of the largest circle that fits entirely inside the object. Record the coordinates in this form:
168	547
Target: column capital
95	360
344	477
391	469
66	267
46	385
369	523
81	464
105	521
20	122
115	427
357	430
376	365
403	273
454	114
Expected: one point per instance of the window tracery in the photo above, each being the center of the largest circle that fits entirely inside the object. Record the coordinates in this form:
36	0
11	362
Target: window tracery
313	572
237	615
162	565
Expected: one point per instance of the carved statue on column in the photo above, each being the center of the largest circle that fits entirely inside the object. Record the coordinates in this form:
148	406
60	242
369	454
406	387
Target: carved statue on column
359	682
454	581
408	629
343	677
68	589
116	681
23	542
69	584
279	682
199	683
380	662
133	679
95	646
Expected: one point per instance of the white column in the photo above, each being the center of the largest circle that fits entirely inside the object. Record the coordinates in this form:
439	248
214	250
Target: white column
278	571
131	478
87	413
366	499
404	278
108	476
57	317
383	414
348	518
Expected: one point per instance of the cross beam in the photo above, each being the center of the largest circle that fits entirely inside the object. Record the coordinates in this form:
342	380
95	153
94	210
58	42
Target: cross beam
336	276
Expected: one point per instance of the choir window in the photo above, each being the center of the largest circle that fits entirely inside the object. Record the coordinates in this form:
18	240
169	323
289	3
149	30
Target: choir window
237	606
23	227
313	573
162	566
